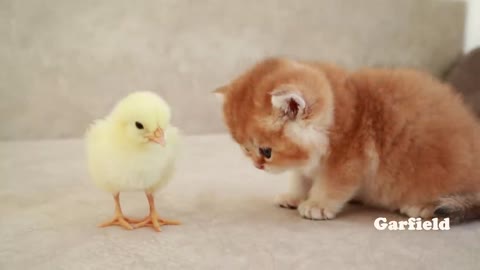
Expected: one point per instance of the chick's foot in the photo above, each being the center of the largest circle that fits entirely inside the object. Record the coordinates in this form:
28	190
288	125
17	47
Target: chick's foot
153	220
118	219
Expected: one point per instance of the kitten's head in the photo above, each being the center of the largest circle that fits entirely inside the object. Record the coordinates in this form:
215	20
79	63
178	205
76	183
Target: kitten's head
279	112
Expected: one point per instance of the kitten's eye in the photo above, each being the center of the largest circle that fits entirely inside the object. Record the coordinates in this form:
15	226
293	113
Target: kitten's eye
139	125
266	152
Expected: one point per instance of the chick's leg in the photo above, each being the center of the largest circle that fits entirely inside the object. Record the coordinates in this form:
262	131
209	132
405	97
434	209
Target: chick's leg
153	219
118	219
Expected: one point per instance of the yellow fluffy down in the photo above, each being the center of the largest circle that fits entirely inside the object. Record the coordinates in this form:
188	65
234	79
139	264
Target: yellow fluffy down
118	157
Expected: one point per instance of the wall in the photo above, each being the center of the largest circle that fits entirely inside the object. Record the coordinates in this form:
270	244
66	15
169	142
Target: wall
66	62
472	33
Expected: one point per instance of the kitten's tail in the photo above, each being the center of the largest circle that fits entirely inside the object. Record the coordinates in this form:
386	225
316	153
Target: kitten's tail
459	208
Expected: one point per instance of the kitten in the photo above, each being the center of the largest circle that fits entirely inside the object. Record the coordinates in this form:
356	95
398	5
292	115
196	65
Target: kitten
397	139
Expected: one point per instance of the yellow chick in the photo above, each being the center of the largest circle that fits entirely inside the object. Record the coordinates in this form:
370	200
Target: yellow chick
133	149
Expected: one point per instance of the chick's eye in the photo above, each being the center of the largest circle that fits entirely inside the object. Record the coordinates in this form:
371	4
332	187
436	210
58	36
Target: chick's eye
139	125
265	151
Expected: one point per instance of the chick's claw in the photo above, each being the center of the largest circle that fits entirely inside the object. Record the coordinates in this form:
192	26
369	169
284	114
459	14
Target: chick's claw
169	222
155	222
119	220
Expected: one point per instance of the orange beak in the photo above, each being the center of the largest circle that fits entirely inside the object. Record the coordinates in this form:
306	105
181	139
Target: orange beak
157	137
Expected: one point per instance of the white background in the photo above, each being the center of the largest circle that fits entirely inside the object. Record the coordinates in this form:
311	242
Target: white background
472	35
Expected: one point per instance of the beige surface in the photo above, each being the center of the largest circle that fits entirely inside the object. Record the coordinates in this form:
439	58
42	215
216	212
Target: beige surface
49	209
65	62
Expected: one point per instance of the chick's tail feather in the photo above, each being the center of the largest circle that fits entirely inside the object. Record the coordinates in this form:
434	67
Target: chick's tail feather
459	208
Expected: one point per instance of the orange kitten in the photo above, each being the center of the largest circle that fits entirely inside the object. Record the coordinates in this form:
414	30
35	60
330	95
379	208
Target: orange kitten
397	139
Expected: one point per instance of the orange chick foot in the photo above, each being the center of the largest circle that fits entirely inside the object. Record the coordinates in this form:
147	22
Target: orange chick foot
118	220
155	222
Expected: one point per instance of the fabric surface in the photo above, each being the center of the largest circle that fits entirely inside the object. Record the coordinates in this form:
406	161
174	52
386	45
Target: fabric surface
465	77
66	62
49	210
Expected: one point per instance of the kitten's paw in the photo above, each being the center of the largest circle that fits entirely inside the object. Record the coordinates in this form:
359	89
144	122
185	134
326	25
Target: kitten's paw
314	210
288	200
425	212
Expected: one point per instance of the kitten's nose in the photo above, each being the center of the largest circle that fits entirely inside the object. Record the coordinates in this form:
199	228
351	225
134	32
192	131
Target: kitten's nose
259	166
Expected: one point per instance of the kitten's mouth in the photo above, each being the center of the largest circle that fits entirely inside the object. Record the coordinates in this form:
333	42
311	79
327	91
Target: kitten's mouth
273	170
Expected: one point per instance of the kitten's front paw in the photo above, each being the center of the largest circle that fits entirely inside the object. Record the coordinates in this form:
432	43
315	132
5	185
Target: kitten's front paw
314	210
288	200
425	212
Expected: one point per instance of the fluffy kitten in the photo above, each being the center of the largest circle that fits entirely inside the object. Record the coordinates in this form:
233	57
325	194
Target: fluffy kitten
396	139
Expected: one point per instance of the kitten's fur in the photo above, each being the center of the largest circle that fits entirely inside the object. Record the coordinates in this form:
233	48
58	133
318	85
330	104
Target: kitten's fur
397	139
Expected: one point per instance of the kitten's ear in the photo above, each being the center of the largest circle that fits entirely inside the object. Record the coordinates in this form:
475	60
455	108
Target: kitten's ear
288	101
220	92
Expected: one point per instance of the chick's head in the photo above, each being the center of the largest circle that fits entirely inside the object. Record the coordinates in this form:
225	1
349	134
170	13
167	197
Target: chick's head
141	118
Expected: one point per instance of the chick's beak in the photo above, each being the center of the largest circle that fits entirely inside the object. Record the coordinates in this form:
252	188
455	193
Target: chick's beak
157	137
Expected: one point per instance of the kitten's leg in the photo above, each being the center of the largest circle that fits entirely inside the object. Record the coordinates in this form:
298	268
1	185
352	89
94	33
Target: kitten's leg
326	198
298	191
